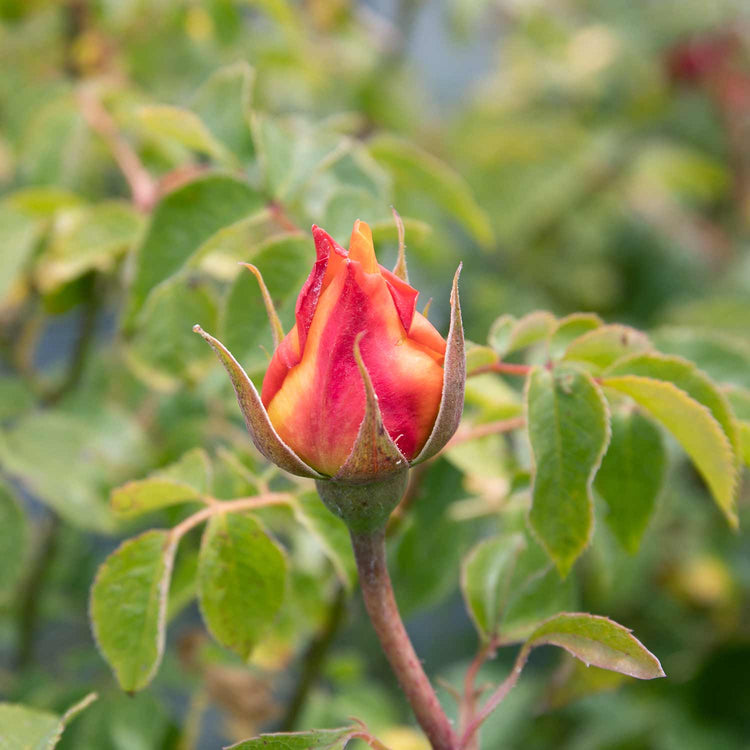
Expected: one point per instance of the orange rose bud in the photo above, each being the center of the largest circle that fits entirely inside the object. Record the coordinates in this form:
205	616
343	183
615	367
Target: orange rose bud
313	391
361	387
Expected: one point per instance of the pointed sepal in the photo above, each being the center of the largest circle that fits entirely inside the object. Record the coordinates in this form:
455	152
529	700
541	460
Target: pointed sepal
273	318
454	382
400	268
262	432
373	479
374	455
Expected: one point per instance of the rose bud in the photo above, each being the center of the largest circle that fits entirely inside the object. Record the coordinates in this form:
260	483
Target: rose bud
362	387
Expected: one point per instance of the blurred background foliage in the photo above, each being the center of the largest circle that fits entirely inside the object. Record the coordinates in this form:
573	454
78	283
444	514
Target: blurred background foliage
578	155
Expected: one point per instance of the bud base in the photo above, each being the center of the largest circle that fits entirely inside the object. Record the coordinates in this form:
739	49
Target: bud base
363	507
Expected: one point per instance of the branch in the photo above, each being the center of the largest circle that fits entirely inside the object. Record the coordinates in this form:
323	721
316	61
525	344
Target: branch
483	430
143	187
467	707
495	699
230	506
369	552
505	368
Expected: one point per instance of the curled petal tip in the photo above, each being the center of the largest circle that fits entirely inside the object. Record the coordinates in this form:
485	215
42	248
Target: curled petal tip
198	329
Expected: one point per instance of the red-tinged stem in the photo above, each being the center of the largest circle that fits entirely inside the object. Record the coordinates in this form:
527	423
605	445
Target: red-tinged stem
143	187
506	368
369	551
488	428
494	700
468	703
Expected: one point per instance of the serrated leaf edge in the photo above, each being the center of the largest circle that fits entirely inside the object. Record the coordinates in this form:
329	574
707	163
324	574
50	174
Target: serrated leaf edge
168	552
729	513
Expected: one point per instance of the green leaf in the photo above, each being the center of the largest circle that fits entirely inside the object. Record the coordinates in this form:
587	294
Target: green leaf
188	479
221	254
508	335
598	641
331	533
183	586
291	151
739	399
223	104
128	607
688	378
163	350
536	592
569	431
570	328
602	347
16	397
241	580
385	230
41	447
245	330
423	172
316	739
19	234
424	577
631	476
724	357
86	238
347	202
26	728
13	539
181	223
745	442
57	146
478	356
694	427
185	127
486	575
42	202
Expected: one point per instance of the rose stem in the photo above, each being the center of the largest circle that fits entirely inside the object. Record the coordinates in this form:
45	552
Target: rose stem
369	552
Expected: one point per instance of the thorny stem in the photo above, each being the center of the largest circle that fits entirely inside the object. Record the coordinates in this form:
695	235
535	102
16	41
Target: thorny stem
369	552
495	699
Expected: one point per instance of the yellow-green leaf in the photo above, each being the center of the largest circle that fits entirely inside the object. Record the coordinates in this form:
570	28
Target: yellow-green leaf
598	641
694	427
